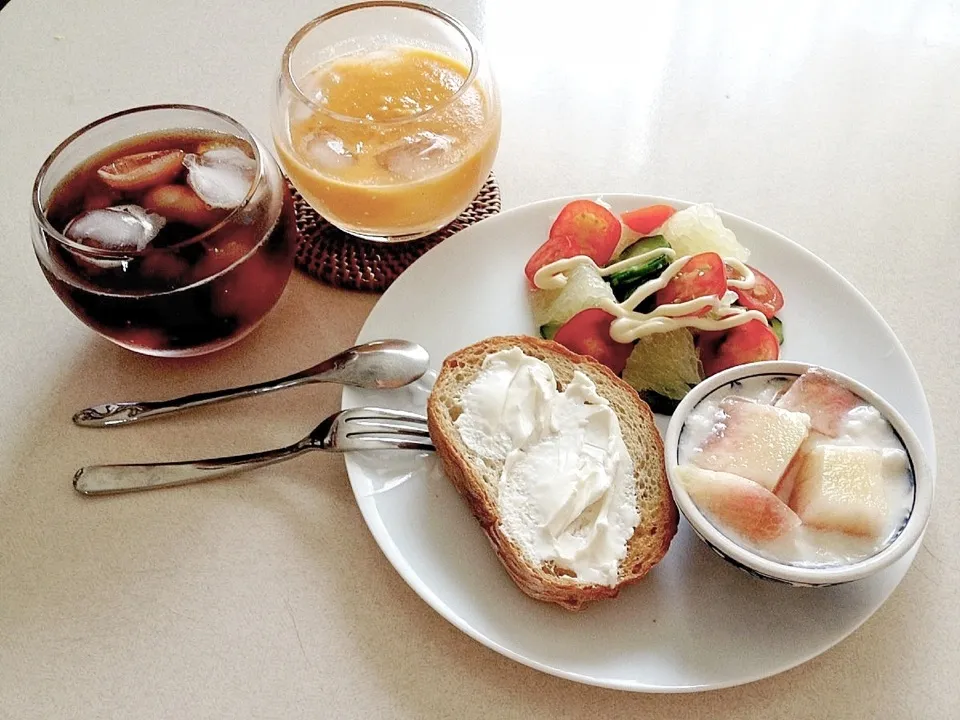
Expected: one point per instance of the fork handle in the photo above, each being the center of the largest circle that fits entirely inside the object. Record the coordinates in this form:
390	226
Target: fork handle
112	479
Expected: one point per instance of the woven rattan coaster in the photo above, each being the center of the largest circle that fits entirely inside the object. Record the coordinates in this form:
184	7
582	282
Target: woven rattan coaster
331	255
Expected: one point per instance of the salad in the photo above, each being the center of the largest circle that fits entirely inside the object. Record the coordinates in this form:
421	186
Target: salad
663	297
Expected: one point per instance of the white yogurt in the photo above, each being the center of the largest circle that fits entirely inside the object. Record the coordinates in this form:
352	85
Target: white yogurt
863	426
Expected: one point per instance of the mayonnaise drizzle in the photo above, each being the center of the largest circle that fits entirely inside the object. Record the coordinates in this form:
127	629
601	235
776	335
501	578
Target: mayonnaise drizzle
631	324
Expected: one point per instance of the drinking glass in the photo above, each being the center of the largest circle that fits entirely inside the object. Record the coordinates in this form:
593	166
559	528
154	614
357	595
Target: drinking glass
387	118
197	288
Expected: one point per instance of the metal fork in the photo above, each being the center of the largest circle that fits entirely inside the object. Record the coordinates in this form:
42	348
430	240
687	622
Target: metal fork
346	431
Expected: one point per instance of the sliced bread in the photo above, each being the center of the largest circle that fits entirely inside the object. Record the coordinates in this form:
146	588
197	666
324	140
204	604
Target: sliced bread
477	480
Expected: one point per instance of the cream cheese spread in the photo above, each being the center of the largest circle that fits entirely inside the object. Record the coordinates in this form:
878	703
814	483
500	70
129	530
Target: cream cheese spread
567	493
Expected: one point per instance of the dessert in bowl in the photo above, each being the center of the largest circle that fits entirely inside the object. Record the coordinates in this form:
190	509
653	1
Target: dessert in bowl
797	473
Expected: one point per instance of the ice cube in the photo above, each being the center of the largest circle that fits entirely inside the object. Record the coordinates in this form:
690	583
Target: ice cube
417	155
231	144
229	155
221	177
325	151
125	227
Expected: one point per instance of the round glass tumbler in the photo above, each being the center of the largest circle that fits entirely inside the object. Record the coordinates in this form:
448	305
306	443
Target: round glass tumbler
387	118
168	229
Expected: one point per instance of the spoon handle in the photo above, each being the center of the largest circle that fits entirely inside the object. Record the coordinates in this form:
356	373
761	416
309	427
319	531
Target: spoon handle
124	413
112	479
377	364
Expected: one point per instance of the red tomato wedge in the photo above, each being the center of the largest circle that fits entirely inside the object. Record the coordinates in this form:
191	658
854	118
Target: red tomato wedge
582	228
707	341
765	296
703	275
747	343
588	333
647	219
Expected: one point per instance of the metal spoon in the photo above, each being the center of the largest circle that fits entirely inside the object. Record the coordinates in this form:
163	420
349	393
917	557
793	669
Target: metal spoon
380	364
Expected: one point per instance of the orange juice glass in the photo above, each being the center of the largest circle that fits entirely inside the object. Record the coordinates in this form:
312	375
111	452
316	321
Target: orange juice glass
387	118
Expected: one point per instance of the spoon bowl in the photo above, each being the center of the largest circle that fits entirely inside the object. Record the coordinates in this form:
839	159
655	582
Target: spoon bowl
380	364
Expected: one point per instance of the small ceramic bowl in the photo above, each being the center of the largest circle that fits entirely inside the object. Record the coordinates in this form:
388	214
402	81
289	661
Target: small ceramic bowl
909	534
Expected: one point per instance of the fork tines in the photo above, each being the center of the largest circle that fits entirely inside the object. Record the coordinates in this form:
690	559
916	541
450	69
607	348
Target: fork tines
392	428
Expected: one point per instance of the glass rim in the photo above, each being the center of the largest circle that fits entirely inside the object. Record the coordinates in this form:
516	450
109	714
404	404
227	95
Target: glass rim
51	231
473	44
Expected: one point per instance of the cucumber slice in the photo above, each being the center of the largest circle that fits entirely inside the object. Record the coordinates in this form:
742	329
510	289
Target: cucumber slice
776	324
641	246
659	403
548	331
664	363
584	289
623	283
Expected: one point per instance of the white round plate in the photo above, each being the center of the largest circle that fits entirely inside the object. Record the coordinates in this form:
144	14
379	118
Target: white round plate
694	623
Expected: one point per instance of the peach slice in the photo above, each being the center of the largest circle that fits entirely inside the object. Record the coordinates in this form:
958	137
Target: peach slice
822	398
140	338
178	203
248	291
101	199
755	441
840	488
740	504
142	170
211	145
164	267
225	249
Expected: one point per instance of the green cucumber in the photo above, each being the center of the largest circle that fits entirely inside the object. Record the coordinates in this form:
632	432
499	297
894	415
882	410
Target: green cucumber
549	330
624	282
660	404
776	324
641	246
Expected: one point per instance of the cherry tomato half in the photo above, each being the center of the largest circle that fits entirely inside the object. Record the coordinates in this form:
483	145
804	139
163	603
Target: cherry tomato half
588	333
582	228
765	296
647	219
747	343
703	275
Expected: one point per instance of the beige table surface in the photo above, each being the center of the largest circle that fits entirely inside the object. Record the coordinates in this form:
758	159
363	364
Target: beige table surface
837	124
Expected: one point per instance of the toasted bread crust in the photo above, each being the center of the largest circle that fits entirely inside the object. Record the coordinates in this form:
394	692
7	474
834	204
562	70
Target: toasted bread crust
658	513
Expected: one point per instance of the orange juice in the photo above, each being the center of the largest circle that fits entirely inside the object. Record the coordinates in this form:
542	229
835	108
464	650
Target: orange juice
394	143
